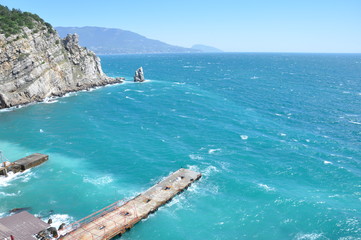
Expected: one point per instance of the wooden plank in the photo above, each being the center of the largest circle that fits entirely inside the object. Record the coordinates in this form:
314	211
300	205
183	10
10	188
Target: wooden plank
120	219
21	225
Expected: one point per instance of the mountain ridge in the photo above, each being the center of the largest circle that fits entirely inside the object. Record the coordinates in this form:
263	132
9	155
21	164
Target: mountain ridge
117	41
206	48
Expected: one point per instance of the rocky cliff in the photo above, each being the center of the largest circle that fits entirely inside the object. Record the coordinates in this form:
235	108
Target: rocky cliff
36	64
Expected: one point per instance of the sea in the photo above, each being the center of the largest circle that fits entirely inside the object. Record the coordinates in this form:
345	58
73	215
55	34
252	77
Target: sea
276	136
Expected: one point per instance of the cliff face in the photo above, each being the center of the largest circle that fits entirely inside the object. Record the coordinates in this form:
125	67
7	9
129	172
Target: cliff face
37	64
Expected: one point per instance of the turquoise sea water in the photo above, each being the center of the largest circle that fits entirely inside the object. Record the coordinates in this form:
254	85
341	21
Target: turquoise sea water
276	136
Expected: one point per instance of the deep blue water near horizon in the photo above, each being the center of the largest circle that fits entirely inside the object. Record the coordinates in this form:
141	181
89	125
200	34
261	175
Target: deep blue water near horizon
277	138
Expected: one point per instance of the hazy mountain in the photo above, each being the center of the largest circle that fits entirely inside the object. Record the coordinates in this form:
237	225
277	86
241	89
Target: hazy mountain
204	48
117	41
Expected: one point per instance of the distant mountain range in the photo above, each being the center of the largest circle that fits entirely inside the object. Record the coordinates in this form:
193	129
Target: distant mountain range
205	48
117	41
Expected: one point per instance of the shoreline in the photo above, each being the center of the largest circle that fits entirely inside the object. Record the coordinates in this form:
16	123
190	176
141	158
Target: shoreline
53	99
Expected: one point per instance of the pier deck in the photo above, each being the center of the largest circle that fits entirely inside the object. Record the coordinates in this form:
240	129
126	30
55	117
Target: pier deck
119	217
23	164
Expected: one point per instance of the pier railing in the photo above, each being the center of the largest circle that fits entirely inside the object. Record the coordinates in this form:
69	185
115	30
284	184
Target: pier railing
95	220
120	216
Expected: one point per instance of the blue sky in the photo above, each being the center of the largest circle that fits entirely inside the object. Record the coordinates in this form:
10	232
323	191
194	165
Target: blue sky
231	25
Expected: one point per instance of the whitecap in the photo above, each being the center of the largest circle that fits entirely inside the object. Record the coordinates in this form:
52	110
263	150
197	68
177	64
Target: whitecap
41	130
183	116
210	170
23	176
9	194
266	187
50	100
212	151
327	162
58	219
131	90
26	177
244	137
308	236
195	157
283	134
354	122
206	172
254	77
129	98
98	181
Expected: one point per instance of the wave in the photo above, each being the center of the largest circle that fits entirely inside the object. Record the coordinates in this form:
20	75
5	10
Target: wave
266	187
208	171
23	176
98	181
212	151
130	98
244	137
195	157
54	99
50	100
10	194
132	90
59	219
308	236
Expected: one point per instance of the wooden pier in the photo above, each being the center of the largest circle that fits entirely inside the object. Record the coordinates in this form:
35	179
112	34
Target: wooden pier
119	217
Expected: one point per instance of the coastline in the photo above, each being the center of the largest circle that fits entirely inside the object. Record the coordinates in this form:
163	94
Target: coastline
54	98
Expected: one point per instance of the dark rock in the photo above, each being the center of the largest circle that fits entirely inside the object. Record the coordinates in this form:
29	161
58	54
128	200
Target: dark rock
61	226
53	231
17	210
139	75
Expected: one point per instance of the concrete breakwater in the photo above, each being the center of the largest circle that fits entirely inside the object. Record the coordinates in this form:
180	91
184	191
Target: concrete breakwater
119	217
23	164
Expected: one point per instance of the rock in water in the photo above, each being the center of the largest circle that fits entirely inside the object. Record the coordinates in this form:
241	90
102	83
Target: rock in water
139	75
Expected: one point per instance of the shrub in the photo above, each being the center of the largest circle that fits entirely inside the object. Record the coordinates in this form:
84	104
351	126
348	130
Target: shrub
12	21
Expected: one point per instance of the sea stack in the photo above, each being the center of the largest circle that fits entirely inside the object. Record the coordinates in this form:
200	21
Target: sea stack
139	75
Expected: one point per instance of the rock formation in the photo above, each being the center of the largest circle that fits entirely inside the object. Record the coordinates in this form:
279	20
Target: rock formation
36	64
139	75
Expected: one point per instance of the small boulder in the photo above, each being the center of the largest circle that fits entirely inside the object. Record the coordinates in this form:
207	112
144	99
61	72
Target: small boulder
139	75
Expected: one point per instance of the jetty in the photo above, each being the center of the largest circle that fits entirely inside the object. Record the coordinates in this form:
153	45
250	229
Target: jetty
22	164
120	216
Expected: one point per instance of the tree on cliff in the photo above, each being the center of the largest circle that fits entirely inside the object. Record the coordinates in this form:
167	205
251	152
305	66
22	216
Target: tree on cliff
12	21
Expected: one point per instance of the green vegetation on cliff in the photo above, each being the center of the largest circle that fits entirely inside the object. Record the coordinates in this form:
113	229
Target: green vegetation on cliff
12	21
